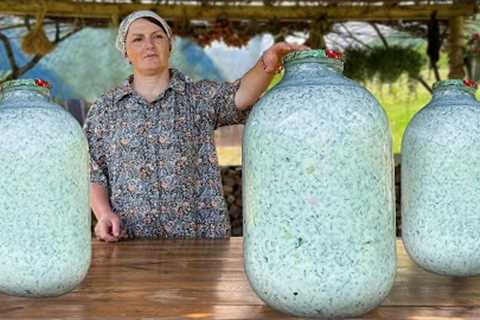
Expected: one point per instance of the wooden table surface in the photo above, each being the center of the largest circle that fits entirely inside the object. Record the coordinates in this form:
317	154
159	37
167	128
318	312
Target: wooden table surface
198	279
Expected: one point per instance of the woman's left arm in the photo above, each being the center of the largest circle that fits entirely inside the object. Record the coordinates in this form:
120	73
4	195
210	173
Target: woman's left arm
257	79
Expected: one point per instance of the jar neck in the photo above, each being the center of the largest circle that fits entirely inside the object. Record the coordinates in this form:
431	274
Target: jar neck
15	89
313	68
452	89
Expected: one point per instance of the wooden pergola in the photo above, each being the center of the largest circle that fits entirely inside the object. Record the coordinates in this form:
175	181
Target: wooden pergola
254	16
283	10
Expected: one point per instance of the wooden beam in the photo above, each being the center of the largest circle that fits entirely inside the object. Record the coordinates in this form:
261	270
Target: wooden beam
194	10
456	48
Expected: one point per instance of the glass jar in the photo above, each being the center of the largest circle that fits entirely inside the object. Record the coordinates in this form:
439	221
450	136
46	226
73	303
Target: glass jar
441	182
319	209
45	237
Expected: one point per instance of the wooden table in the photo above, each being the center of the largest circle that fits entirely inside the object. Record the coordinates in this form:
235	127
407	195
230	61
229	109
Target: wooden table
193	279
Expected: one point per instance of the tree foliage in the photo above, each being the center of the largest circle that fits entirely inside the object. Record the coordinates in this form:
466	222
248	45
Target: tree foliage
385	63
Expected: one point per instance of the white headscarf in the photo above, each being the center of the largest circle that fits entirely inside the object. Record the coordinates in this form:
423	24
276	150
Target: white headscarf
121	42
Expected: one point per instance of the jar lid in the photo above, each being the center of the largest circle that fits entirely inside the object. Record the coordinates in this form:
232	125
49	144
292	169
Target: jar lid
35	84
469	86
330	57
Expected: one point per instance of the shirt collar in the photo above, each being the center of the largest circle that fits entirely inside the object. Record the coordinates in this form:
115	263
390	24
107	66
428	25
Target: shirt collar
177	83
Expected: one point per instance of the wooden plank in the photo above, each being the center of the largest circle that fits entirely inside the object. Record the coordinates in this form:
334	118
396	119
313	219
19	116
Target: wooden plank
199	279
114	11
106	310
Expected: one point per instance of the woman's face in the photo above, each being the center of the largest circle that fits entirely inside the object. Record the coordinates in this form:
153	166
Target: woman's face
147	47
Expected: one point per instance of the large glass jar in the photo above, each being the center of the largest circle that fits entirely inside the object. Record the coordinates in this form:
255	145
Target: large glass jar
45	237
441	182
319	219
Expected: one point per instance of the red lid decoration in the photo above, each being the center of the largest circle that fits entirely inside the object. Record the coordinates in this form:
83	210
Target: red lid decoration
333	54
470	83
42	83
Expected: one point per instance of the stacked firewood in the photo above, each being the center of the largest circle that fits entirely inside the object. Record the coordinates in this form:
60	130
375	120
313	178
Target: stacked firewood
232	188
398	200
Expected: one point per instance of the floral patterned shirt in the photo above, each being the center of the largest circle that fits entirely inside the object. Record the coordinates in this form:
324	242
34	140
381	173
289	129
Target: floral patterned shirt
158	161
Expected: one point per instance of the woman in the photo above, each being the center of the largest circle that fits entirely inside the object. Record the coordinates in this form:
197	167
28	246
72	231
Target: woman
154	170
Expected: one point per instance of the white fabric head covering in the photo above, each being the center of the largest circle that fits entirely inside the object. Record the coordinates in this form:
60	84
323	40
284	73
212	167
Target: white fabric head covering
125	24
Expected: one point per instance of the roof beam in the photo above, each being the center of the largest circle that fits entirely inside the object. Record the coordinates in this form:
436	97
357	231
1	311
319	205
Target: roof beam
194	10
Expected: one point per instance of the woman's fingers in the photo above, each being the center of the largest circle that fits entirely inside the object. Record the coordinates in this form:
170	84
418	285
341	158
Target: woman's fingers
115	227
284	48
272	58
104	231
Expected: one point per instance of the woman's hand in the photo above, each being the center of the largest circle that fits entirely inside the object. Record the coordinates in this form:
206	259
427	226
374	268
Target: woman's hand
108	228
254	83
273	57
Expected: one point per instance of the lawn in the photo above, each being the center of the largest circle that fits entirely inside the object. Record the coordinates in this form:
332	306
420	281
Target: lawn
400	104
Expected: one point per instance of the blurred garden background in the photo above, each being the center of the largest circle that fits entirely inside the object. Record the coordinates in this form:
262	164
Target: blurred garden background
398	60
396	48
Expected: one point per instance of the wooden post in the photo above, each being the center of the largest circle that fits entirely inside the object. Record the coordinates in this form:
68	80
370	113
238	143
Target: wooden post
456	48
318	29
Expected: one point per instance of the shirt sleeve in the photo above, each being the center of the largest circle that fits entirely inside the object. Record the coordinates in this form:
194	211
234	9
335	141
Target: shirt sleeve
96	134
219	100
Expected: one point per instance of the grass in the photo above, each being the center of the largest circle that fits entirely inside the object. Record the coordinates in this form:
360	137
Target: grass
400	104
229	156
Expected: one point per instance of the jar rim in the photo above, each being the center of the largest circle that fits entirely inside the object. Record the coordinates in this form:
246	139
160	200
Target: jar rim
328	57
39	85
464	85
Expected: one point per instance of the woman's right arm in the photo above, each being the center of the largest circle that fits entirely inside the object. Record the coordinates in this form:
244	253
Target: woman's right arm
108	223
108	227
